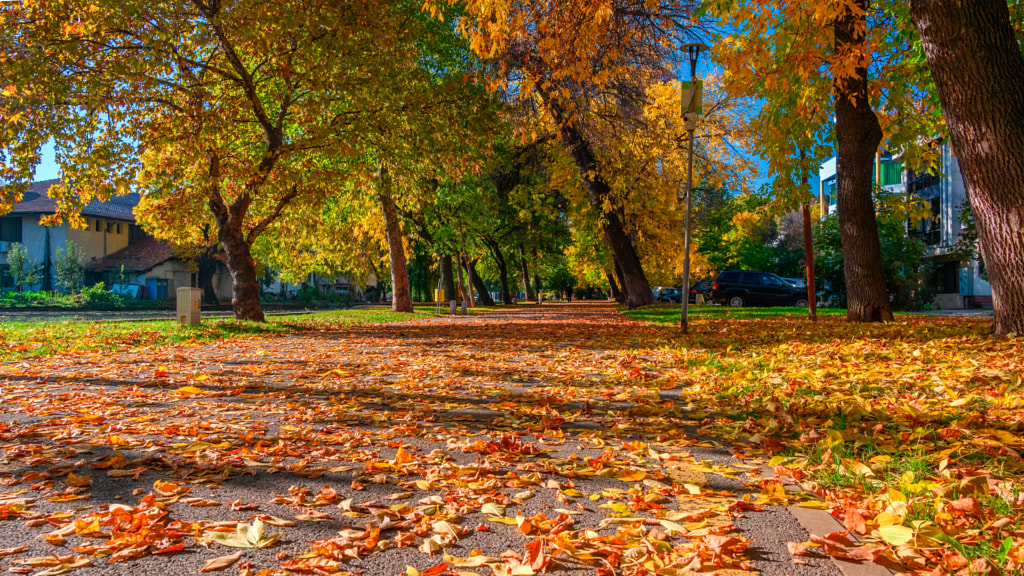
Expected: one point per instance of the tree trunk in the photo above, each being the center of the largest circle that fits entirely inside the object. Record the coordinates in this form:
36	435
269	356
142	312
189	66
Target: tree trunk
478	284
401	296
858	135
977	66
623	290
531	294
633	280
812	292
465	295
448	278
499	259
245	287
536	286
613	288
206	266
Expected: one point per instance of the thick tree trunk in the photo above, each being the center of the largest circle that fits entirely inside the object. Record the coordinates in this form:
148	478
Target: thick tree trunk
977	66
401	296
633	280
858	136
536	286
448	278
499	259
613	288
531	295
245	287
478	284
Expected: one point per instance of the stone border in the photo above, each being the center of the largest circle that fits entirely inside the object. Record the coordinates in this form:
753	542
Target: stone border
820	522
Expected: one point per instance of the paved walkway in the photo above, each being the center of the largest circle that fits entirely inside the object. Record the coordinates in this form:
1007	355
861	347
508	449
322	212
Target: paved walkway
361	447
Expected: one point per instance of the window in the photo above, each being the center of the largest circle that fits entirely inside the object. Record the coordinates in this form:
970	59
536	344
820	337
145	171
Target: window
892	173
751	278
729	277
97	225
10	229
119	228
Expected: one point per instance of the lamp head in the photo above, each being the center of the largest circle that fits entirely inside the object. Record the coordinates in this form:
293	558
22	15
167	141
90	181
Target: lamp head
693	50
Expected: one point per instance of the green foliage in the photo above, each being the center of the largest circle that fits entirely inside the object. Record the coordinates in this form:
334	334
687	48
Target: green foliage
904	266
23	269
69	267
738	232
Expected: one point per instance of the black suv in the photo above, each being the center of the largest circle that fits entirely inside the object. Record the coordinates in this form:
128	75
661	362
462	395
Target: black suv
752	288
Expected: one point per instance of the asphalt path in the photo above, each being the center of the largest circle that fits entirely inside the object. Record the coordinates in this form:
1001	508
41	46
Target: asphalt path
257	422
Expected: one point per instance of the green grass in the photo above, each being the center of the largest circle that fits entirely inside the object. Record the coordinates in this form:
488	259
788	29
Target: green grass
33	339
669	313
47	338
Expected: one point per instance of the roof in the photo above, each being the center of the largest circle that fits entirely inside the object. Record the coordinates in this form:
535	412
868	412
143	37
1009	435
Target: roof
138	257
35	201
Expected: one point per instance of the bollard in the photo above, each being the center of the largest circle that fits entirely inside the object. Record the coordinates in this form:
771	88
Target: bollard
453	304
463	306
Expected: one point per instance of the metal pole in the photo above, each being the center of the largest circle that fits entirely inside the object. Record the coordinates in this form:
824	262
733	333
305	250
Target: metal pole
690	122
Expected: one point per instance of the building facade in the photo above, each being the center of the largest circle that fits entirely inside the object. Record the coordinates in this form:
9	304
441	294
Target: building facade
957	283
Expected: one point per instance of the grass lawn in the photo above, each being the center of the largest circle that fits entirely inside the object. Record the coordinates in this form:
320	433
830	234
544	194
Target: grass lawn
47	338
32	339
662	313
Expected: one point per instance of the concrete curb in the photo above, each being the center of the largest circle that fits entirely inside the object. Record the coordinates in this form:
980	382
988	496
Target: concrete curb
820	522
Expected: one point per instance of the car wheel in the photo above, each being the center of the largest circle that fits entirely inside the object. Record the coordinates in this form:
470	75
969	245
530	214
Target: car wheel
800	303
736	301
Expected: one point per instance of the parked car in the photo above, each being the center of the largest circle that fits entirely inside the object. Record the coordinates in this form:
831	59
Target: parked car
753	288
795	282
670	295
700	288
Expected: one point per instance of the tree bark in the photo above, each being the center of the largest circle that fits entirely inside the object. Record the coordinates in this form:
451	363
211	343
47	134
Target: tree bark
536	286
448	278
401	295
633	280
812	292
245	287
531	295
478	284
623	290
977	66
858	136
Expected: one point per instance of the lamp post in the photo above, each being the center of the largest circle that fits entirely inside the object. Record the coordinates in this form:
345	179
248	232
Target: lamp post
691	97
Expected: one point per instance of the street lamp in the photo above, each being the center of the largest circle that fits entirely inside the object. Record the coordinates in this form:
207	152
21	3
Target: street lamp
691	105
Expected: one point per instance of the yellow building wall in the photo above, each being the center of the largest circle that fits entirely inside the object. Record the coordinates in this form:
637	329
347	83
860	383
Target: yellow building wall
102	237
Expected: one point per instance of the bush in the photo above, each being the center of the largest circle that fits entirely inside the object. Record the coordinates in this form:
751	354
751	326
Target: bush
69	266
99	297
23	269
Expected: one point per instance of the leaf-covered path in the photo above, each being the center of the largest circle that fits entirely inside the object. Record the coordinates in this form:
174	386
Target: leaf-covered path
506	443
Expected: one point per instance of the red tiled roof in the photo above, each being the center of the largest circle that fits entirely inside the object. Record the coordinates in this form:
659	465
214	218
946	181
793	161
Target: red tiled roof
36	201
138	257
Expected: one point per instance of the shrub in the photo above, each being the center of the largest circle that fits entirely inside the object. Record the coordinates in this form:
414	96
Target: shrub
69	267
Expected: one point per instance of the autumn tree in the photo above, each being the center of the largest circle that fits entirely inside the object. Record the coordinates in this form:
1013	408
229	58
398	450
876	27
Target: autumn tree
228	111
976	62
573	57
832	76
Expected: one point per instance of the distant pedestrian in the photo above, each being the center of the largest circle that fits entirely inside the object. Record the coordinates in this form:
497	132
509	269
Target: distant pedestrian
568	293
